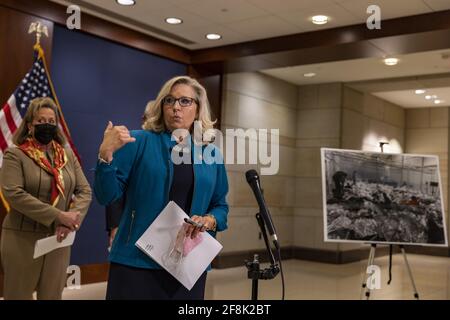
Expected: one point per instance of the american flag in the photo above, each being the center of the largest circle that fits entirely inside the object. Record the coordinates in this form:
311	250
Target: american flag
35	84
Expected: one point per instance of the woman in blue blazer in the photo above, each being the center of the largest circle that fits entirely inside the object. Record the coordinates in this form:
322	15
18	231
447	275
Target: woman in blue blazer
140	166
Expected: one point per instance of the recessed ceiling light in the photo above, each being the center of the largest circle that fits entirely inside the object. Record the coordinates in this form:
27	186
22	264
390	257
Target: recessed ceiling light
428	97
391	61
309	75
431	97
420	91
213	36
438	101
126	2
319	19
173	20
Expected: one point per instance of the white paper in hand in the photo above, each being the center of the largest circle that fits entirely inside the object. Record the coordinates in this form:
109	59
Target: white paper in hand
46	245
184	258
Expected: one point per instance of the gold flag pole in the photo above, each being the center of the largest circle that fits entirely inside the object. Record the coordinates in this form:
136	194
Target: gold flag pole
41	29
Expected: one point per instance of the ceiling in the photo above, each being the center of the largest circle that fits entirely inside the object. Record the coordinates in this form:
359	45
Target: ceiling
244	20
399	92
241	21
408	98
416	64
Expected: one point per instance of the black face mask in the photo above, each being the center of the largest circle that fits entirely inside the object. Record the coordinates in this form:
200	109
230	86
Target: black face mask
44	133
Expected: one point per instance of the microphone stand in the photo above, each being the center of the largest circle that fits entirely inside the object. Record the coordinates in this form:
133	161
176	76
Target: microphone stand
254	271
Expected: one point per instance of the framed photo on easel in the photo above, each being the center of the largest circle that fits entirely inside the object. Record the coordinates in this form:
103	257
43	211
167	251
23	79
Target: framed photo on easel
373	197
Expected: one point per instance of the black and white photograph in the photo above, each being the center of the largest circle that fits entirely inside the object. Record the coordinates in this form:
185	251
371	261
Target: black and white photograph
374	197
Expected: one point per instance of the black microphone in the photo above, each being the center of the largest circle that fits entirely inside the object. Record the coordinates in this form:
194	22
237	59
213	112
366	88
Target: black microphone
253	181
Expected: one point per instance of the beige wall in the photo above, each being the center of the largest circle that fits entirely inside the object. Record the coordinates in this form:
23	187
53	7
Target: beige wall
253	100
311	117
332	115
427	133
368	120
318	125
308	118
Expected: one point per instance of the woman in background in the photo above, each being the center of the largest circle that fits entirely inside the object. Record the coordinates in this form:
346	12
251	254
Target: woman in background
48	195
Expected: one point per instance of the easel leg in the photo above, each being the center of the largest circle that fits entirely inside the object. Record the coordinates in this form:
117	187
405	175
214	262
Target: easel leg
416	294
370	261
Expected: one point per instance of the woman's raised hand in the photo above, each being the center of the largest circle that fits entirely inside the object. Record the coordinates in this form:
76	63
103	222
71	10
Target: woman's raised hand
114	138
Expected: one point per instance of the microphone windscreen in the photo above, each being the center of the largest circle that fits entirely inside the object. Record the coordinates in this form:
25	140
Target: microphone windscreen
251	175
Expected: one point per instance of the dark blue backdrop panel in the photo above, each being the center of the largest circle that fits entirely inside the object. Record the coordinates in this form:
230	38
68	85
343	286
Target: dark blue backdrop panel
96	81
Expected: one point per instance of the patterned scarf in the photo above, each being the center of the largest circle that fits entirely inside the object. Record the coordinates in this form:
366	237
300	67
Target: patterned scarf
31	149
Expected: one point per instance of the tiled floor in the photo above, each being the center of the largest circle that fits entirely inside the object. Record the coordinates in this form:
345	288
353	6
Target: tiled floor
311	280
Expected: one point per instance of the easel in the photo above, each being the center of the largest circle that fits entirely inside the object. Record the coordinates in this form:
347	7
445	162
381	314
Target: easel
371	259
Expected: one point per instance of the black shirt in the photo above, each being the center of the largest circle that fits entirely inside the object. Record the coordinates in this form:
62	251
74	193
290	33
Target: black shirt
114	213
182	187
181	191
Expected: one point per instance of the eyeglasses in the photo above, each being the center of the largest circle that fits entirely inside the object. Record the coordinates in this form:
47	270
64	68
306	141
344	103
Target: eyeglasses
182	101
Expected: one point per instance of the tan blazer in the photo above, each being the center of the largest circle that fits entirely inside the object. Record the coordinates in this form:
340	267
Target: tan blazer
27	188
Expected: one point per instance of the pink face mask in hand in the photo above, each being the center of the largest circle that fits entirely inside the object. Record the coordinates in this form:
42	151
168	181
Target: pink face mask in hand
175	256
189	244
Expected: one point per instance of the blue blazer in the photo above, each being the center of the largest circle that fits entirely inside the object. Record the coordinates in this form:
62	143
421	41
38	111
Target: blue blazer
143	171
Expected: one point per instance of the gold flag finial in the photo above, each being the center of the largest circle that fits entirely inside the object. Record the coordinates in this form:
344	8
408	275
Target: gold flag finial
39	29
